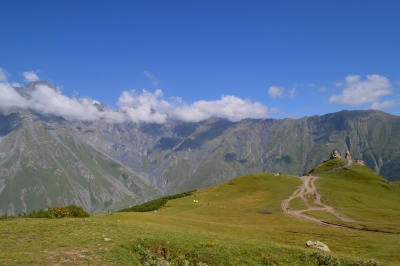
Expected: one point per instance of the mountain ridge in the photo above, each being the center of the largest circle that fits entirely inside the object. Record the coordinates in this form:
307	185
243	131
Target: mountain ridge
307	141
44	163
176	156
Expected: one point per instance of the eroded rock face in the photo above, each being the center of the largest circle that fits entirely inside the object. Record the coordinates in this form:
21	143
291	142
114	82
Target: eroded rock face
318	245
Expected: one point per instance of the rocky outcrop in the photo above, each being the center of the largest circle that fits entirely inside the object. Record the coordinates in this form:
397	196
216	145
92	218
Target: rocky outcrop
318	245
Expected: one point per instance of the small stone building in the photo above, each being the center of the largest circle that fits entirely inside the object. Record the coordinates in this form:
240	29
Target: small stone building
347	156
335	154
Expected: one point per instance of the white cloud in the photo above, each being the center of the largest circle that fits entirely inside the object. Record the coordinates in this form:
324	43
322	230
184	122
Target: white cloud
275	110
292	93
384	104
49	101
16	84
357	92
275	92
279	92
152	78
3	75
312	85
339	84
30	76
142	106
350	79
145	107
323	89
229	106
10	98
150	107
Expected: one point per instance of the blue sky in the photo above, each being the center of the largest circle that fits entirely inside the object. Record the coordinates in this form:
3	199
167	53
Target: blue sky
195	59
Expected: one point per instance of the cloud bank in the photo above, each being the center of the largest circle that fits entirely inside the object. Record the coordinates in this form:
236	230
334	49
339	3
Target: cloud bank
143	106
358	92
3	75
30	76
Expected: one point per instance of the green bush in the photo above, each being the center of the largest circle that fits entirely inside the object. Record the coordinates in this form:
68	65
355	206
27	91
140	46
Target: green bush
77	211
324	259
60	212
364	263
40	214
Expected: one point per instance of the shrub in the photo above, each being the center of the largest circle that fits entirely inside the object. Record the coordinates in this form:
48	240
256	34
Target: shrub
364	263
60	212
148	258
324	259
40	214
77	211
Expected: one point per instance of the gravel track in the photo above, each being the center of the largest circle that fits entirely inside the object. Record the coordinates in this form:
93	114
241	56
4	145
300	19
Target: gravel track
308	191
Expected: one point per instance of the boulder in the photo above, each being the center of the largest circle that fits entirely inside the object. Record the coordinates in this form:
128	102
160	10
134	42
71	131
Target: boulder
318	245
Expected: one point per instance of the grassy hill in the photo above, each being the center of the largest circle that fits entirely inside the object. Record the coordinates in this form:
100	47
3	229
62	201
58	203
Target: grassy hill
358	192
240	222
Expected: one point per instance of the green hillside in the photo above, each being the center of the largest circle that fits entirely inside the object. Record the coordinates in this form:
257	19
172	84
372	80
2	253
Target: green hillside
358	192
240	222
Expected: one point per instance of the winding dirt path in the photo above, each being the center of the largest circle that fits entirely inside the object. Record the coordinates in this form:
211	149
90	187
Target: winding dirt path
308	192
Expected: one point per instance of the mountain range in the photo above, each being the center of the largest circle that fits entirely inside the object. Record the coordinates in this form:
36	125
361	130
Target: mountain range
47	160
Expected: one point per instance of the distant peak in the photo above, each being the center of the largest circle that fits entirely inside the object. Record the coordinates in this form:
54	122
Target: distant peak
25	91
101	107
40	82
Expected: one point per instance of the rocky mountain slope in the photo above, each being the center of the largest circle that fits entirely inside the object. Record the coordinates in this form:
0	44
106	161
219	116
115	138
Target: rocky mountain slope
179	156
44	162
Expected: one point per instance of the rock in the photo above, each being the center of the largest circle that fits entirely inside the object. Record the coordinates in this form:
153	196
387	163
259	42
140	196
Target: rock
107	239
318	245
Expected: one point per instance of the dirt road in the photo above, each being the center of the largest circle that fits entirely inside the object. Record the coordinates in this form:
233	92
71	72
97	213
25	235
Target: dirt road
308	193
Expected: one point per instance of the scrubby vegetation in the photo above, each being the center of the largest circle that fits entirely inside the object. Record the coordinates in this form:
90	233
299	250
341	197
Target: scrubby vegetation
60	212
157	203
55	212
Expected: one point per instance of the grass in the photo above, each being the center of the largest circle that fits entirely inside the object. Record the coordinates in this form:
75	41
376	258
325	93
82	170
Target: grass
236	223
329	165
361	194
297	204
